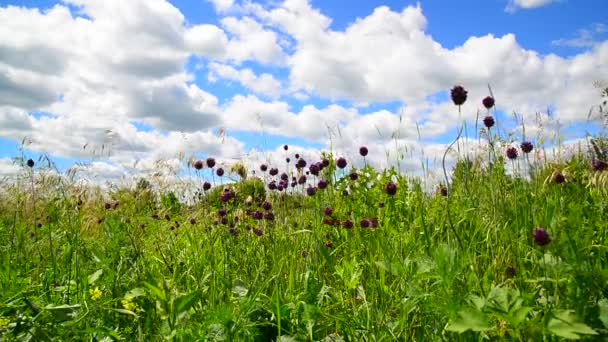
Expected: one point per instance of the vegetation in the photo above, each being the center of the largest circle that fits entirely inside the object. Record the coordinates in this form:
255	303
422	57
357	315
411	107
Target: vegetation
510	248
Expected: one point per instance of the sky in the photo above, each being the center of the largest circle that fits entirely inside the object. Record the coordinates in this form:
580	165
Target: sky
121	87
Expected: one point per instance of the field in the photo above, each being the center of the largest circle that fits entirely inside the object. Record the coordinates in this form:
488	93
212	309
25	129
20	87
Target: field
512	247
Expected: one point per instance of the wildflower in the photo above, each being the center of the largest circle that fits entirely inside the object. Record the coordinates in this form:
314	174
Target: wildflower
363	151
599	165
297	156
128	304
488	121
192	221
510	272
284	176
443	191
198	164
4	322
263	167
328	221
328	211
224	221
30	163
558	177
269	216
156	217
341	162
541	236
459	95
314	169
302	179
285	147
108	206
233	231
287	160
381	204
272	185
322	184
527	147
328	244
345	193
488	102
221	212
348	224
310	191
301	163
294	184
210	162
512	153
354	176
258	232
304	254
95	293
219	172
374	222
167	217
258	215
274	171
365	223
325	162
390	188
267	205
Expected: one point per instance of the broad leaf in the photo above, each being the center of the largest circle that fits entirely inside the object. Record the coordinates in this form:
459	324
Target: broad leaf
469	320
564	325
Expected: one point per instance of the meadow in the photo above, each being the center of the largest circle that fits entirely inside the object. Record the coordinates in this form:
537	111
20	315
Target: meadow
507	247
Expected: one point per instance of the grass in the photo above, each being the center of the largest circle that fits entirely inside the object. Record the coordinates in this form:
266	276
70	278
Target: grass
457	264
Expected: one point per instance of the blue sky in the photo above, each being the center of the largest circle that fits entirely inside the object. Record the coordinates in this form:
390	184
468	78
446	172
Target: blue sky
226	64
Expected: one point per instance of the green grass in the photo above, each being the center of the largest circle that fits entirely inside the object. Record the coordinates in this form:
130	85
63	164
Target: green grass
435	268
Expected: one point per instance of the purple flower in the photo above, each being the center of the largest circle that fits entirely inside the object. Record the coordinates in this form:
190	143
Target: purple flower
390	188
365	223
258	232
328	244
599	165
488	121
348	224
374	222
274	171
541	236
269	216
224	221
322	184
301	163
272	185
512	153
30	163
314	169
219	172
221	212
267	205
285	147
294	184
287	160
302	179
354	176
210	162
328	211
206	186
363	151
233	231
558	177
325	162
328	221
443	191
510	272
341	162
488	102
310	191
192	221
198	164
258	215
284	176
263	167
297	156
459	95
304	254
527	147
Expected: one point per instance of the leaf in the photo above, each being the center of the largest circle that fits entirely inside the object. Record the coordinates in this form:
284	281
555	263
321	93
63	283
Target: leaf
156	291
126	312
63	312
136	292
185	302
469	320
564	325
603	304
93	277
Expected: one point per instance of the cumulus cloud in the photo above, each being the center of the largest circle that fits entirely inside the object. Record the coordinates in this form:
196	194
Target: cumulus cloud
264	84
514	5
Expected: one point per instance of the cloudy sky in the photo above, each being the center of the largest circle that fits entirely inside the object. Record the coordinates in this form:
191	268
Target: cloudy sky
124	84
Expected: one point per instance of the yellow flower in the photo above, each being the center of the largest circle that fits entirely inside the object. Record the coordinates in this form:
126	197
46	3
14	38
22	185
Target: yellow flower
4	321
128	304
95	293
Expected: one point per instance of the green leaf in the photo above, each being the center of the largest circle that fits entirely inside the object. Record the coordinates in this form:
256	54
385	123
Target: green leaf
157	292
469	320
126	312
185	302
603	304
136	292
63	312
93	277
564	325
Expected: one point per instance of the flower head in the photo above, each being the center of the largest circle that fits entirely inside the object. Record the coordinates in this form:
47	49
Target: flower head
526	147
302	180
558	177
263	167
285	147
301	163
206	186
488	121
390	188
322	184
512	153
219	172
459	95
198	164
95	293
274	171
348	224
363	151
310	191
365	223
541	236
210	162
341	162
30	163
599	165
329	244
267	205
354	176
488	102
328	211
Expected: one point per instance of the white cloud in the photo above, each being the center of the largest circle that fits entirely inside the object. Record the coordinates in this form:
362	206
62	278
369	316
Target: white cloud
264	84
513	5
585	37
222	5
